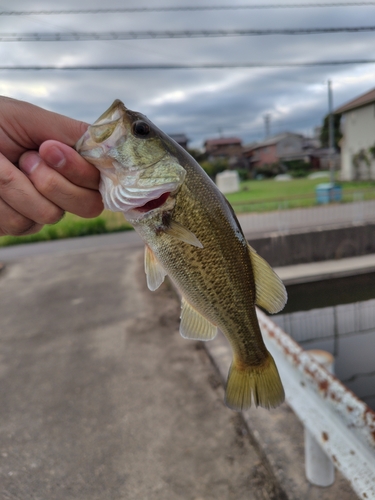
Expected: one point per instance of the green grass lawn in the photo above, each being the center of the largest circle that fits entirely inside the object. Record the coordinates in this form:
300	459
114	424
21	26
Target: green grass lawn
268	195
71	226
254	196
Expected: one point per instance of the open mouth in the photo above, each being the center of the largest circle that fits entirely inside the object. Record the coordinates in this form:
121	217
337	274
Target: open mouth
152	204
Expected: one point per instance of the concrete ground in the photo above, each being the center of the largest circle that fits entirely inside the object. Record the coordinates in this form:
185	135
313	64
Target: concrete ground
100	398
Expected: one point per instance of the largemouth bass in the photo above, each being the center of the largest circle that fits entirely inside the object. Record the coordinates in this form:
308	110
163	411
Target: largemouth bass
193	236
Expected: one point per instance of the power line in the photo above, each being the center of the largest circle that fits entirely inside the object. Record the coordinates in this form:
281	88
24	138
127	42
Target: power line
144	35
135	67
185	8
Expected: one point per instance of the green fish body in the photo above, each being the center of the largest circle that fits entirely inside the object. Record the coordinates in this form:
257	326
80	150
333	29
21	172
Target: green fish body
193	236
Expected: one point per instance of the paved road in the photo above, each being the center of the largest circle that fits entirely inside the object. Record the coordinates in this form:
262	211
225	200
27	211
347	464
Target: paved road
100	398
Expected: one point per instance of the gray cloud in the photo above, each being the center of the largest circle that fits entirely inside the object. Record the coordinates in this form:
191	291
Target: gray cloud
200	103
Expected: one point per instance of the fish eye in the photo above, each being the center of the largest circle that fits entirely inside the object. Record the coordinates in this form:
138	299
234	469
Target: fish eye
141	128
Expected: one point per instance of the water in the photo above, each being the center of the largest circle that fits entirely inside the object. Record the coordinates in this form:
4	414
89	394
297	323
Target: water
338	316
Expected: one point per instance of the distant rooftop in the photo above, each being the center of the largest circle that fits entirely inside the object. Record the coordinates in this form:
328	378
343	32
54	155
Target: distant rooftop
272	140
358	102
222	141
179	137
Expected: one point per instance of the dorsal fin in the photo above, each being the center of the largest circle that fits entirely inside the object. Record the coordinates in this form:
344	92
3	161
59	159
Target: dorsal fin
270	290
154	271
193	325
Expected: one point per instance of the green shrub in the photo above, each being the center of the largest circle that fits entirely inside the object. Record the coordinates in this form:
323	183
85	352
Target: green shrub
269	170
243	174
214	167
298	168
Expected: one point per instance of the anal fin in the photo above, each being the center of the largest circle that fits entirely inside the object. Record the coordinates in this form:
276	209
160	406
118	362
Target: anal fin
195	326
154	271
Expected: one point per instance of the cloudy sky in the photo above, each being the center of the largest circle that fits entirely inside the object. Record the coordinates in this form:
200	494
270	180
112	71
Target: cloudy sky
202	103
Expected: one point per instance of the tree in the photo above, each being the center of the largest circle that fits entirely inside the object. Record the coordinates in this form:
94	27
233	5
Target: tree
198	155
214	167
324	133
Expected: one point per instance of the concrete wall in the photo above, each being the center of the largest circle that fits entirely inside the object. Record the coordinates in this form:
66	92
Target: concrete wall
314	246
359	133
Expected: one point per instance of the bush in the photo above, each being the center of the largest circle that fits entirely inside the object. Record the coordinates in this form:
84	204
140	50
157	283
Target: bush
269	170
298	168
243	174
214	167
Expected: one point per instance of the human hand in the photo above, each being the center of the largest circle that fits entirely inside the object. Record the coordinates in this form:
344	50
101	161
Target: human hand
55	180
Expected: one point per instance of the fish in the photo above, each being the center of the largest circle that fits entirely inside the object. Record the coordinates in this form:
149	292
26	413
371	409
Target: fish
193	236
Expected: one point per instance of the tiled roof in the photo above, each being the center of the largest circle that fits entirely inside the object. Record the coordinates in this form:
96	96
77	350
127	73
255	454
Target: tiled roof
362	100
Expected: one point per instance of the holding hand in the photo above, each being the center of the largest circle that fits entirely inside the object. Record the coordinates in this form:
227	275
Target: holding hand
48	183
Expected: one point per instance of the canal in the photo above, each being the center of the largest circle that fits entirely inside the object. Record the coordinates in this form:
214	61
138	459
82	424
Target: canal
337	315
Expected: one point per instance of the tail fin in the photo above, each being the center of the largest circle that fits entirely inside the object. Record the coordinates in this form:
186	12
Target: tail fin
260	384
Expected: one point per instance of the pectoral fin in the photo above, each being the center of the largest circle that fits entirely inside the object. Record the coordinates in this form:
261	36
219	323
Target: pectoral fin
154	271
195	326
180	232
270	290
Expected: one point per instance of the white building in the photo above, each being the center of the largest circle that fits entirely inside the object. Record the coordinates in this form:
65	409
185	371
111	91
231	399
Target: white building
358	142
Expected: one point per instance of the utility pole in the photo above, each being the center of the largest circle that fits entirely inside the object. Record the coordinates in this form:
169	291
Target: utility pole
267	124
330	135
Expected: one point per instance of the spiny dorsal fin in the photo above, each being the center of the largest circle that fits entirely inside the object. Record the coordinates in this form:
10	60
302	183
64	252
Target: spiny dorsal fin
270	290
154	271
195	326
176	230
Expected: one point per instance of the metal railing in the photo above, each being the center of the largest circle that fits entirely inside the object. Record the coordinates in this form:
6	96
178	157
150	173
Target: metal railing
342	424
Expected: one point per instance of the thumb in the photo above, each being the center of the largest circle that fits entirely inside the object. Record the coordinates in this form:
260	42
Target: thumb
34	125
57	127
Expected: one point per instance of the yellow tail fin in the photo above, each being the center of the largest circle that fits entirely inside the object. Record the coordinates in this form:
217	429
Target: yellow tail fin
260	384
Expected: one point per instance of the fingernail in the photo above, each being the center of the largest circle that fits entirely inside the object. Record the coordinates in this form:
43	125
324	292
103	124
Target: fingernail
29	162
55	157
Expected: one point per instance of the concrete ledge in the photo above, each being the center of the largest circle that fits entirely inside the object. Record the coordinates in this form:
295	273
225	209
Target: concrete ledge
285	249
317	271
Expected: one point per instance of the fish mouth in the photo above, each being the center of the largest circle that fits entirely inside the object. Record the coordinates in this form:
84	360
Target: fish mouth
104	133
152	204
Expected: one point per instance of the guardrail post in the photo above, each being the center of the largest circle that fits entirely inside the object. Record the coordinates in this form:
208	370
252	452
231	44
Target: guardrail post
319	469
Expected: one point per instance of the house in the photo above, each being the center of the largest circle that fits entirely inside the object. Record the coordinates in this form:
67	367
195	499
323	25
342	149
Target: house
223	147
281	147
286	147
229	148
358	142
181	139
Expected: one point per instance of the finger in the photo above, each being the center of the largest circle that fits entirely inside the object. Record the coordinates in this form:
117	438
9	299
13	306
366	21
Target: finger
18	192
70	164
15	224
35	125
59	190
